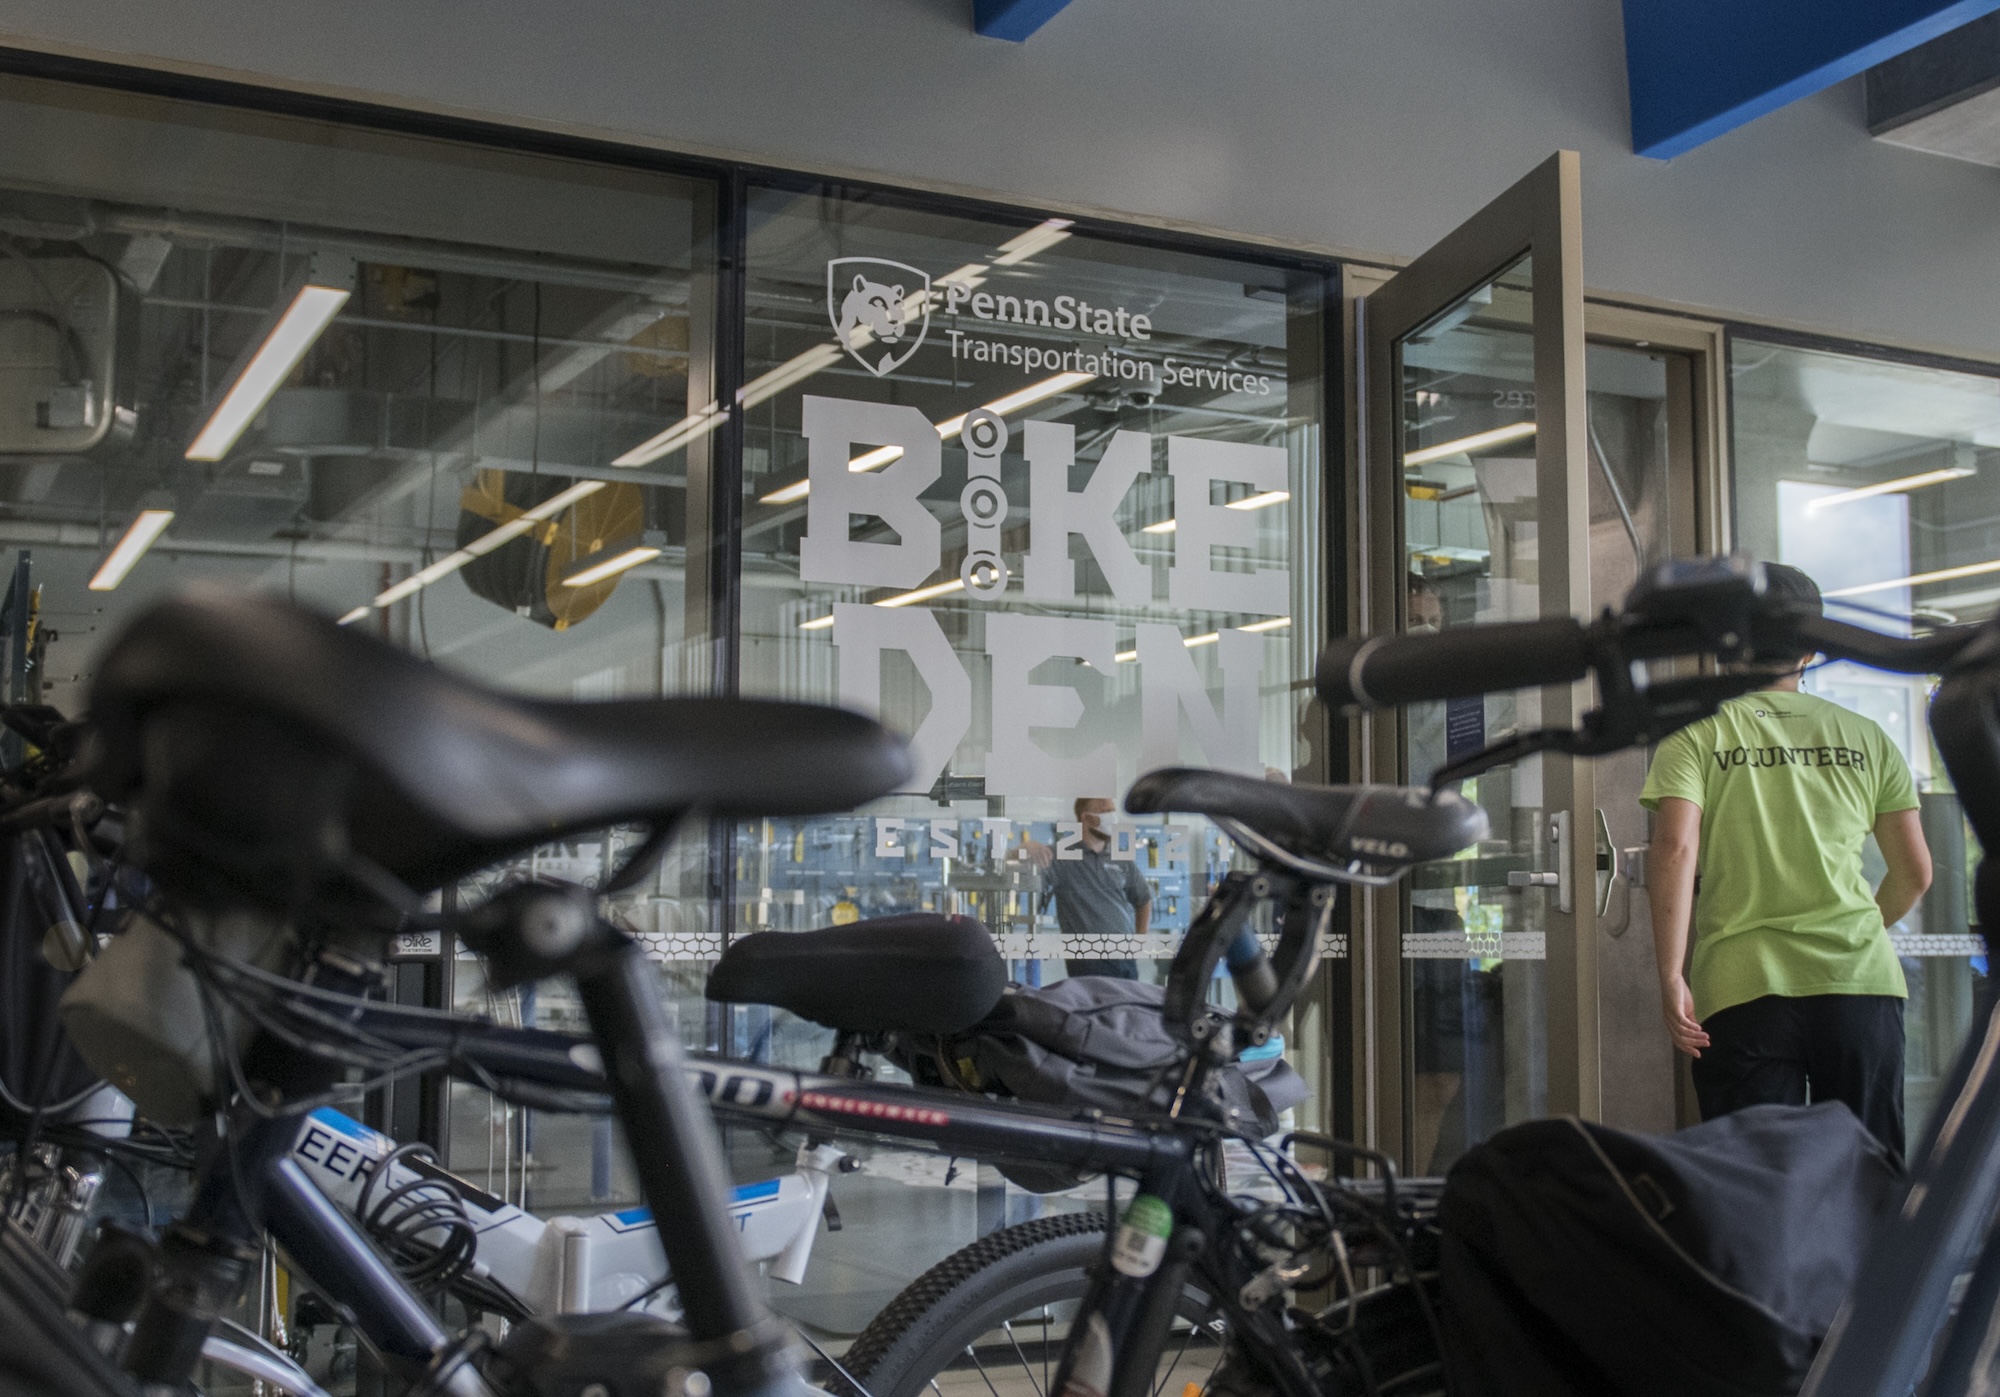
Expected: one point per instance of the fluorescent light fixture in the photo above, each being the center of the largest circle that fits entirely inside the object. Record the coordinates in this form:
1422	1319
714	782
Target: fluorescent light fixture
1033	393
924	593
674	438
1478	441
478	548
1039	238
937	589
947	429
611	567
971	275
1275	623
785	494
824	356
1890	487
876	459
150	524
793	370
1922	579
301	324
1263	501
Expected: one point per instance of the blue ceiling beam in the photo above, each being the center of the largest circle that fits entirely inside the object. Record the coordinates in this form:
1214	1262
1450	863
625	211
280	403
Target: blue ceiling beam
1699	68
1017	19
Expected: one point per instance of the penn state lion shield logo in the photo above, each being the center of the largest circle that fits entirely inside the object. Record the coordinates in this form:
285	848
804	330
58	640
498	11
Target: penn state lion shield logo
880	310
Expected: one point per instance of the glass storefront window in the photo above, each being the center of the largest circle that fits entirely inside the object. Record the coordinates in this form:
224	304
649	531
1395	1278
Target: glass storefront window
1878	479
1052	502
1049	503
494	331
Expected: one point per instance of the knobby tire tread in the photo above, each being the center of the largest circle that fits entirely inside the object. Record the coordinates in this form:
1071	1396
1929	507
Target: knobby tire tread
926	1291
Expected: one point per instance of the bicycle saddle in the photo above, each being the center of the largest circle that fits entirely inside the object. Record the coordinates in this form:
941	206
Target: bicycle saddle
920	971
1380	825
252	736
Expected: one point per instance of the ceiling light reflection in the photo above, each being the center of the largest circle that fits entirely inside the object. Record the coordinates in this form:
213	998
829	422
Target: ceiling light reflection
611	567
1478	441
127	552
1922	579
304	320
1890	487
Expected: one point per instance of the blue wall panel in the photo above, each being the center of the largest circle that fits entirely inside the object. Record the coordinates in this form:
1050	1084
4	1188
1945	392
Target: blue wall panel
1698	68
1017	19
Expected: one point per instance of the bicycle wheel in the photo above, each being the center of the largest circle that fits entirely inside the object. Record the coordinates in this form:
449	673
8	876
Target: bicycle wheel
990	1320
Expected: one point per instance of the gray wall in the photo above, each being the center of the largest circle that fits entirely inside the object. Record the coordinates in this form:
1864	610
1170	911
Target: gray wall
1362	126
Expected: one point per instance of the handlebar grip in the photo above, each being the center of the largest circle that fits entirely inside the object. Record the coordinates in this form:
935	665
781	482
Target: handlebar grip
1381	670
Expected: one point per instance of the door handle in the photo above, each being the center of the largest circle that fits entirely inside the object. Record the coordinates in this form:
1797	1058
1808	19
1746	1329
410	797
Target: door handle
1559	841
1559	877
1607	872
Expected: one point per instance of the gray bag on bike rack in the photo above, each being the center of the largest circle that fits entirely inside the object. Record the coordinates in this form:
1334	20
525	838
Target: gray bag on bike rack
1580	1260
1098	1041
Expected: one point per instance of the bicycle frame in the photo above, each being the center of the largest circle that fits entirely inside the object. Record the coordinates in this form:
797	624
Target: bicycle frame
250	1184
1148	1150
293	1173
571	1265
1885	1339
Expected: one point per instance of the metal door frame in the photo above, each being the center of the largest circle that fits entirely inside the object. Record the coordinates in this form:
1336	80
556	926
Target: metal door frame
1540	216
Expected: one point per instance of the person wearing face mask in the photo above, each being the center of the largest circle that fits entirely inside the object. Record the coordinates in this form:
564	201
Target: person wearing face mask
1096	894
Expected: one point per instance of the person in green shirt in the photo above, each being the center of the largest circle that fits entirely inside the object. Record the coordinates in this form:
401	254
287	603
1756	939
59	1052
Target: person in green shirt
1794	991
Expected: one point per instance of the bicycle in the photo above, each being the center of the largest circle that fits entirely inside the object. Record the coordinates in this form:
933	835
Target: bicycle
1924	1315
295	787
1182	1228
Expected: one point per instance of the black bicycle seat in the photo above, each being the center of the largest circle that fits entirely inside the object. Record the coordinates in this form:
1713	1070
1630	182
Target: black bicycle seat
234	724
1380	825
920	971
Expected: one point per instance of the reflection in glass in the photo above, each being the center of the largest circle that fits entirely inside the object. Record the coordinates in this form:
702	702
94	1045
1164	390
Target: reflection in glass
1125	581
1471	524
385	377
1878	479
1049	504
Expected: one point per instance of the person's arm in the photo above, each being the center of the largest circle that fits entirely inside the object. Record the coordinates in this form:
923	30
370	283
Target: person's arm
1900	833
1670	870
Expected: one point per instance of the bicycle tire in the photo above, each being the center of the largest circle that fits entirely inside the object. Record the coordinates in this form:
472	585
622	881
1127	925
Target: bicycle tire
932	1324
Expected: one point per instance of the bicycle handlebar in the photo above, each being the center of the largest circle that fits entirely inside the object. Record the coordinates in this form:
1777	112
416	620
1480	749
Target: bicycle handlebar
1383	670
1380	670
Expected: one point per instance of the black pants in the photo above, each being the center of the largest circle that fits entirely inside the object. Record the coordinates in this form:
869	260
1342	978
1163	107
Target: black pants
1785	1049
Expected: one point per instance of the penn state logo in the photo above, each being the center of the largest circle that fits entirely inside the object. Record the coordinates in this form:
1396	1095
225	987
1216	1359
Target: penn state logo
880	310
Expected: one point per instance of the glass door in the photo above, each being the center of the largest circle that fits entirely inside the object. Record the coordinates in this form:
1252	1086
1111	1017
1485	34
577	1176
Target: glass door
1481	971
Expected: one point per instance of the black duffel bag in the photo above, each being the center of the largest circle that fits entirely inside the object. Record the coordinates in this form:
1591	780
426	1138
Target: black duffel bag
1092	1041
1578	1259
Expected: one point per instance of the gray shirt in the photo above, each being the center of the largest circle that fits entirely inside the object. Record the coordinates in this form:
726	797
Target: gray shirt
1096	895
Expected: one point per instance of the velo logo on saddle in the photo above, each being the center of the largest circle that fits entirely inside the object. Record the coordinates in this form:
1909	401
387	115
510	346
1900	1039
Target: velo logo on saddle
874	303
